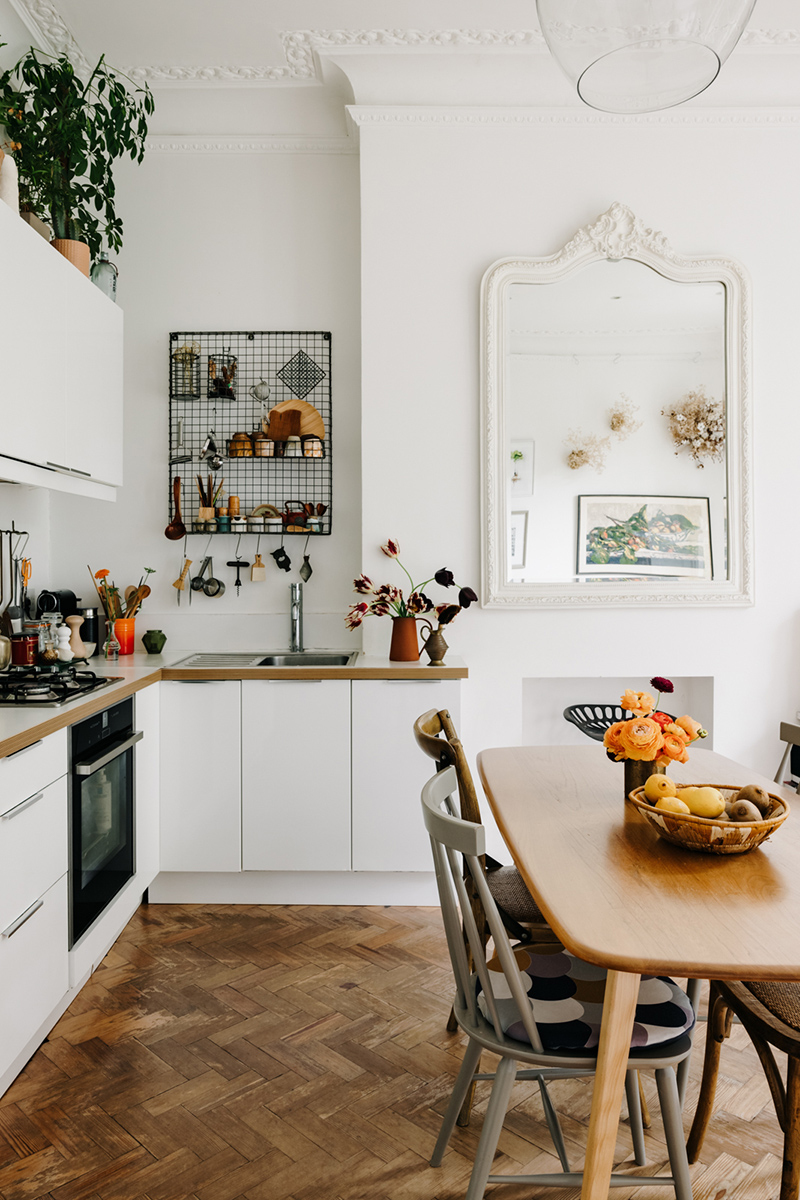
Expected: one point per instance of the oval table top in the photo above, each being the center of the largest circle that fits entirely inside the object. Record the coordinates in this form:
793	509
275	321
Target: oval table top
620	896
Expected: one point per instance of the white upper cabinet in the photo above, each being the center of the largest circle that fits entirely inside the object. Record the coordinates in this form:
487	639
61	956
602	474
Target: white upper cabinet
61	393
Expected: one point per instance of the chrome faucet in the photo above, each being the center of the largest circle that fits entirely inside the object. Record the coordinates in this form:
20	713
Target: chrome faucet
296	617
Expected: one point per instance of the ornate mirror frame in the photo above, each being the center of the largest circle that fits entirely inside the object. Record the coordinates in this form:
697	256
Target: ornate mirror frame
616	234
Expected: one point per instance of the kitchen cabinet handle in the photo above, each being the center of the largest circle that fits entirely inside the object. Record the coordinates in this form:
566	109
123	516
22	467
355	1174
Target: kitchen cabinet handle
94	764
69	470
18	808
20	921
24	748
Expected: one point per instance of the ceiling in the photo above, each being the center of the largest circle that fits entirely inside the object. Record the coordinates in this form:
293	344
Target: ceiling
187	47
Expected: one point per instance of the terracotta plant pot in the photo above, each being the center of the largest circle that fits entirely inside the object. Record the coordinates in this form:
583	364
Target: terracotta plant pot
77	253
405	646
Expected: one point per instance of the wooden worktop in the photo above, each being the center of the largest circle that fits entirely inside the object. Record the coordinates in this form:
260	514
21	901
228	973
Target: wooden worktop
20	727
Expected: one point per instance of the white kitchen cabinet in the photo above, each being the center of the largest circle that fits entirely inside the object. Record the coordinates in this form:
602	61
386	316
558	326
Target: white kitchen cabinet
200	775
296	775
389	770
34	971
33	848
61	401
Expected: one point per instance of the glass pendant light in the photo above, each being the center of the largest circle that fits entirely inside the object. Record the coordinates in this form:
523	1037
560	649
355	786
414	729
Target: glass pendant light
637	56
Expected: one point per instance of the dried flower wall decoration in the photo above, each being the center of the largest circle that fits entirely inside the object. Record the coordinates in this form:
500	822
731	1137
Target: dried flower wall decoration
697	425
585	450
622	417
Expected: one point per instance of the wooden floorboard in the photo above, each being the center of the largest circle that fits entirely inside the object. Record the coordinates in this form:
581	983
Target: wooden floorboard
225	1052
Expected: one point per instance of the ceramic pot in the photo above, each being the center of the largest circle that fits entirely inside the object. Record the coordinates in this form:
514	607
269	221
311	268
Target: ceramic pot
434	645
76	252
404	647
125	631
637	773
153	641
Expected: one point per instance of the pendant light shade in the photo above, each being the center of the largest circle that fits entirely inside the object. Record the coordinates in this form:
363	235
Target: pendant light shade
637	56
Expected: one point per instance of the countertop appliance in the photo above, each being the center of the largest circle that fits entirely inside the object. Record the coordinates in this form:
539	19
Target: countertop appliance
102	791
49	686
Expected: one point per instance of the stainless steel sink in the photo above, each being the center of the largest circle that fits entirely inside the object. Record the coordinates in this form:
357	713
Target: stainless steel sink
283	658
308	658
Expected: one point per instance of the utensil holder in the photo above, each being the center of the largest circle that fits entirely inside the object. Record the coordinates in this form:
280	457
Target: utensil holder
205	513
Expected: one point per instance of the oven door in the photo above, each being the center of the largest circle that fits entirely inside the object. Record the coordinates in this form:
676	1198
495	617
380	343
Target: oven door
102	858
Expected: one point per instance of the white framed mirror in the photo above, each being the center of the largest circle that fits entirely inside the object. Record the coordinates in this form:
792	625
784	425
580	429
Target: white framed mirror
616	424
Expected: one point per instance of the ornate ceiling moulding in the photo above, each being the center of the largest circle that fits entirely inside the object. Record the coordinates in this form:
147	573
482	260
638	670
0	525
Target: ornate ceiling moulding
301	46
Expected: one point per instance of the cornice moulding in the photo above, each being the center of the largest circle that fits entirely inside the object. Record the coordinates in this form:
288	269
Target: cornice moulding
377	115
266	144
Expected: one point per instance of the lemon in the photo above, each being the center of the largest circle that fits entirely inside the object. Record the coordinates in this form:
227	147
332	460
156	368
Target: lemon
672	804
702	801
657	786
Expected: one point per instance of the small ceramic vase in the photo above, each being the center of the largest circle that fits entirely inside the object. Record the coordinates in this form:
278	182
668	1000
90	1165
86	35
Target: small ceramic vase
153	641
125	631
404	647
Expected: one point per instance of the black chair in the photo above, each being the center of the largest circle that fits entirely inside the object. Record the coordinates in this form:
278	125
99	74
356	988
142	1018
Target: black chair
594	719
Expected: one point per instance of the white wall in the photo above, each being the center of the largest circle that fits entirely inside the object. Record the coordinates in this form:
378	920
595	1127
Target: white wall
254	240
441	200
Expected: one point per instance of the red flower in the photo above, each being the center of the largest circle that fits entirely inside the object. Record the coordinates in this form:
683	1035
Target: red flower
661	719
391	549
418	602
661	685
363	584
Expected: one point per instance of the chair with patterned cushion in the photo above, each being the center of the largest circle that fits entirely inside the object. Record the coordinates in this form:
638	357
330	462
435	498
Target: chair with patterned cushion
770	1012
540	1006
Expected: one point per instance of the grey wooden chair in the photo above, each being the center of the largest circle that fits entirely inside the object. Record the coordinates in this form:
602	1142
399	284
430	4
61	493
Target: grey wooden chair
494	1010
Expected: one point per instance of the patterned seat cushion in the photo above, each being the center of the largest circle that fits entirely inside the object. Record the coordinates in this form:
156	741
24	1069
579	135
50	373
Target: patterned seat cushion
510	893
781	999
566	995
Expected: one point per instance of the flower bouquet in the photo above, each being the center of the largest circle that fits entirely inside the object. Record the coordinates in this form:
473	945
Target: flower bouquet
388	600
120	610
650	739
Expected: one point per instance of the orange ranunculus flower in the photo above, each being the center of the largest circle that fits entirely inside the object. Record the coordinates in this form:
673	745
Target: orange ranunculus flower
677	731
693	728
673	750
611	740
641	704
641	738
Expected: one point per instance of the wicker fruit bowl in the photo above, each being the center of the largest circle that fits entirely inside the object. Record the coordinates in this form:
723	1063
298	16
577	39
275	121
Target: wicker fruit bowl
710	835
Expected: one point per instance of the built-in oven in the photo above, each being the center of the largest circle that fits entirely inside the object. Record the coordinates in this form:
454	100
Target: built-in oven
102	819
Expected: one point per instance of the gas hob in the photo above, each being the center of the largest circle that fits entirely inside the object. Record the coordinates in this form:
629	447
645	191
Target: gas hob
49	686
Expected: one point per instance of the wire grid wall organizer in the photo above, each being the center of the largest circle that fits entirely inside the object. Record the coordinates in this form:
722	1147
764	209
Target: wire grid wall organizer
216	389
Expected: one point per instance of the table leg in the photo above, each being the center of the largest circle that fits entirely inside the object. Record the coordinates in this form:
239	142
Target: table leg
619	1007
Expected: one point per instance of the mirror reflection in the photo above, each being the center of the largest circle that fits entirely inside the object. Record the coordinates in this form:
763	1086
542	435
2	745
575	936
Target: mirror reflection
615	428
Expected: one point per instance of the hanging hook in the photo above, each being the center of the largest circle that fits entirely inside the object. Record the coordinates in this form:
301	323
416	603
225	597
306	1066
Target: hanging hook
238	544
258	545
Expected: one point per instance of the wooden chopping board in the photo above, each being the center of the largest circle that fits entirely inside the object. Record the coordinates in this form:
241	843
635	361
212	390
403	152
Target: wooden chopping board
311	423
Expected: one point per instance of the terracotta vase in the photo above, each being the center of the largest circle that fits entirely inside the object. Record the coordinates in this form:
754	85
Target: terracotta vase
637	773
404	647
76	252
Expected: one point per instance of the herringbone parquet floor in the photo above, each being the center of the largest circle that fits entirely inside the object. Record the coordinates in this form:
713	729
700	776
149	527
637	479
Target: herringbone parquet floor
300	1053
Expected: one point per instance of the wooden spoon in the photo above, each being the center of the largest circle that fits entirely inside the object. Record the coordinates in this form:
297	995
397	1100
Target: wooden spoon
176	528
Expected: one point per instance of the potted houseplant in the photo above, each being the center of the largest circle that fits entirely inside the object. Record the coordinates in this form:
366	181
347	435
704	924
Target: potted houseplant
65	134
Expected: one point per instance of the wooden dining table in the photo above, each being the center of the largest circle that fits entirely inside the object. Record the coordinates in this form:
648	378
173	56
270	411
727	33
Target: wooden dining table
619	896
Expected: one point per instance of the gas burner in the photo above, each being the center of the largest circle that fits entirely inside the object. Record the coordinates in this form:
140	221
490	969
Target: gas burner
49	686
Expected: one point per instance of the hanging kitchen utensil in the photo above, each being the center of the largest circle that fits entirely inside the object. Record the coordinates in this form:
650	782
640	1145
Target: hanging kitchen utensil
180	582
258	572
306	570
239	564
197	581
260	391
176	528
212	586
282	559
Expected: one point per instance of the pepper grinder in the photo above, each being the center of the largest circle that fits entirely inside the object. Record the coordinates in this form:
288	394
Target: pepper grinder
64	652
75	641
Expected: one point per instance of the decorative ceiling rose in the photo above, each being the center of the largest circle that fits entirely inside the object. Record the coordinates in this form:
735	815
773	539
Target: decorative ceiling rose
620	61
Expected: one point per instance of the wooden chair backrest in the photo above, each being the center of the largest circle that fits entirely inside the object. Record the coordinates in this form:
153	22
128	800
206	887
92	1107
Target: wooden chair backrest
436	735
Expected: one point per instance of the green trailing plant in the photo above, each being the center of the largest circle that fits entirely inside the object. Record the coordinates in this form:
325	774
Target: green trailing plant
65	134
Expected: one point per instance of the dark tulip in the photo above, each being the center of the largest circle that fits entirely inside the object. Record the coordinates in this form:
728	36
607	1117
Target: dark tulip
444	577
466	596
446	612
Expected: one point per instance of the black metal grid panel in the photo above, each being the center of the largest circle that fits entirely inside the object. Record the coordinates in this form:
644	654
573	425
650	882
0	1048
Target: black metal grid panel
207	393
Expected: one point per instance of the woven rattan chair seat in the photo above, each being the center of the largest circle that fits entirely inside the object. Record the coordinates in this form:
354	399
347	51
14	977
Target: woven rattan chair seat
781	999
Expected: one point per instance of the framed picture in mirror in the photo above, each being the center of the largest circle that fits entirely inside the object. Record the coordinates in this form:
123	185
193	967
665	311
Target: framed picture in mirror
652	536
